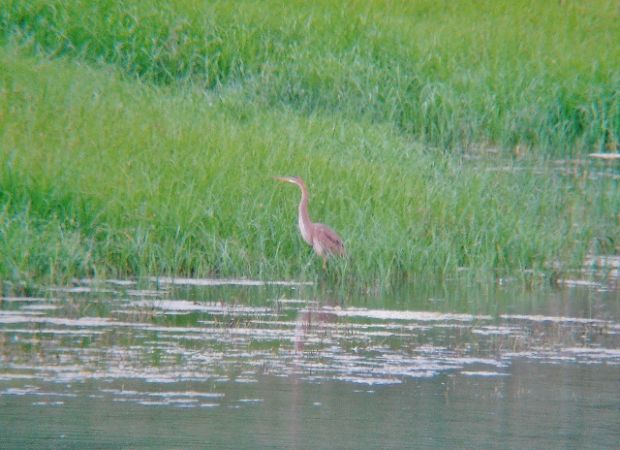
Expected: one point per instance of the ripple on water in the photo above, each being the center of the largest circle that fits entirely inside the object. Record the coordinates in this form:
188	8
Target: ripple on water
166	341
226	282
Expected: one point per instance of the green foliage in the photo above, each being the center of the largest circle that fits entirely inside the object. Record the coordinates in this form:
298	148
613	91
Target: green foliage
140	138
453	74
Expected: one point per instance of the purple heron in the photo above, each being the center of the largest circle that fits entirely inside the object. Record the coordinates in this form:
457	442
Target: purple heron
322	238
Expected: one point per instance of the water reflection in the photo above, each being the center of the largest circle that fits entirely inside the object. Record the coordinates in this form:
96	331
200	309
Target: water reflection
208	345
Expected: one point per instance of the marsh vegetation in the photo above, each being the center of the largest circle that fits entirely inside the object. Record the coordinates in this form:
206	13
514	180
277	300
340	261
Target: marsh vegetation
140	138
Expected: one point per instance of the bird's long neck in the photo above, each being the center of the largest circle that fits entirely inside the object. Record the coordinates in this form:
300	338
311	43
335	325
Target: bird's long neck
305	224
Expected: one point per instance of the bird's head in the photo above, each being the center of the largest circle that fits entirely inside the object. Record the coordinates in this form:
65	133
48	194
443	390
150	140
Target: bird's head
295	180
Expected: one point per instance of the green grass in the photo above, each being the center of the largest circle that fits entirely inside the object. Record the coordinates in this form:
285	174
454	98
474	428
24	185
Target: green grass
451	74
123	153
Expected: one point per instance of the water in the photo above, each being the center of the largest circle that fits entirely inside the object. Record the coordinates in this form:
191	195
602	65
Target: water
237	363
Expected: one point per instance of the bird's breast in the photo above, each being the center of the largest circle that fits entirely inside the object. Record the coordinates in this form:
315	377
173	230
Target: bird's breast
318	247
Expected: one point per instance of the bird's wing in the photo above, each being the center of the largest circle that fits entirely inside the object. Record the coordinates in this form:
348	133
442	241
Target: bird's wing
329	239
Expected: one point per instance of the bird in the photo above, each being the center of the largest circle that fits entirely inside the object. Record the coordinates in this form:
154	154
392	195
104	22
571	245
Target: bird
325	241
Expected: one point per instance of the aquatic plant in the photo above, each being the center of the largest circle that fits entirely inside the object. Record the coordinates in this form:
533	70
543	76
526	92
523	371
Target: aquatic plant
139	140
450	74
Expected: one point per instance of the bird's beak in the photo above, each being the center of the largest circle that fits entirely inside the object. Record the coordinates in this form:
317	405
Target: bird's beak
283	179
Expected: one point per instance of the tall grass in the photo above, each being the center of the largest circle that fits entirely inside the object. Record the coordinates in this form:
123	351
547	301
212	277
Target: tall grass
451	74
106	176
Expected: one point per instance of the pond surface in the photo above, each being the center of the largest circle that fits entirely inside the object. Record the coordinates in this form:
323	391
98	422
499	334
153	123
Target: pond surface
238	363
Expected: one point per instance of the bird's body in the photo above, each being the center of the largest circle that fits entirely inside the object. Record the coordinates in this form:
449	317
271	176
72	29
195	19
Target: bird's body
322	238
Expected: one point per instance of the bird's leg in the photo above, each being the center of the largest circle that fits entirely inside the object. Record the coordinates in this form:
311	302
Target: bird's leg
324	263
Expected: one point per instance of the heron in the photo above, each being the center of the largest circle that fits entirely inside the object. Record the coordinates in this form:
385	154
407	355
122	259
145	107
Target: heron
322	238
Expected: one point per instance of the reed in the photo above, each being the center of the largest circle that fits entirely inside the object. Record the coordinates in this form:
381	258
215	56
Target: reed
141	139
451	74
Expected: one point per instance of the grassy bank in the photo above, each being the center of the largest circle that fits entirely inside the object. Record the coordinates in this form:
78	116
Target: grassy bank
451	74
102	176
139	140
